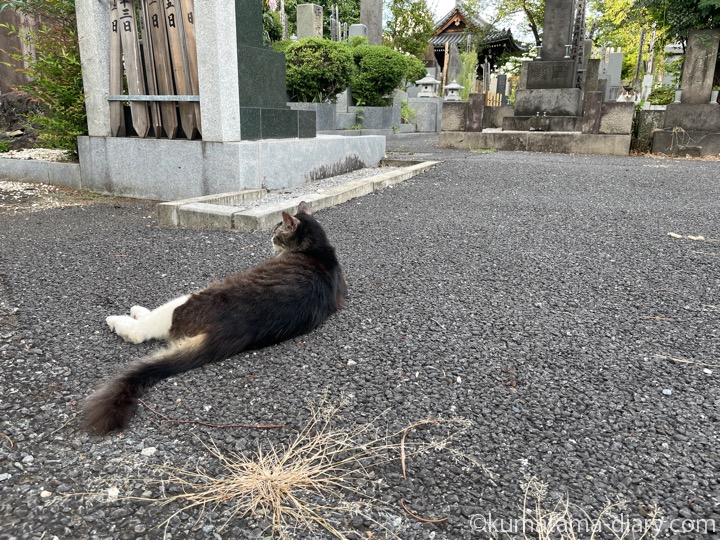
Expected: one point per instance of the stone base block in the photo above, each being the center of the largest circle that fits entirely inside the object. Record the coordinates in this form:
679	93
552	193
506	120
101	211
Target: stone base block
454	116
693	143
550	74
693	117
428	113
537	141
345	120
258	123
494	117
164	170
616	118
377	117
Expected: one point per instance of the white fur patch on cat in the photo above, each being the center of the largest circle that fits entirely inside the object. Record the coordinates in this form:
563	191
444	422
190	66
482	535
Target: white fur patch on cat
143	325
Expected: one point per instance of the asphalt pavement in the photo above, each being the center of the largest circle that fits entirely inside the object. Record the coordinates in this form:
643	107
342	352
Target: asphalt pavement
537	300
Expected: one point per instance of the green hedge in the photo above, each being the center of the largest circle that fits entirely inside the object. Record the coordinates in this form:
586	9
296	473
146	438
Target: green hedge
379	71
318	69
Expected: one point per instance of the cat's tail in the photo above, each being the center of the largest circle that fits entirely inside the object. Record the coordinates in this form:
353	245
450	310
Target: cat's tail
113	404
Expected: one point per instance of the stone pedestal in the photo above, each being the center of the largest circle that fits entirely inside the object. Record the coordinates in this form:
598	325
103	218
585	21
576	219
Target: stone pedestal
698	133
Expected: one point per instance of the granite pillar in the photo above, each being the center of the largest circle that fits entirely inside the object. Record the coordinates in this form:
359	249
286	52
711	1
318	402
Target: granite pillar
93	27
371	16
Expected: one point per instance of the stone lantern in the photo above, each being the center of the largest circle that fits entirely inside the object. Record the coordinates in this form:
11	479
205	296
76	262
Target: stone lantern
452	91
428	86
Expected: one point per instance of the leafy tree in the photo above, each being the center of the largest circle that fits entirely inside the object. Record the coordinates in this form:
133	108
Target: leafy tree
618	24
532	11
678	17
409	26
53	70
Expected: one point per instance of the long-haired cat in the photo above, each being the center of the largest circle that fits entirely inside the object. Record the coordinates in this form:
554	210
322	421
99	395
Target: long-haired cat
285	296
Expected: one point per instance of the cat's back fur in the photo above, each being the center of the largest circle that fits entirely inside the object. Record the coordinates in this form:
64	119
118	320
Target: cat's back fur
283	297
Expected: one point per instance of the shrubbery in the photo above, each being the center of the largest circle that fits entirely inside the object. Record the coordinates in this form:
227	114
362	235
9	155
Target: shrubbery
318	69
662	95
54	72
379	71
415	70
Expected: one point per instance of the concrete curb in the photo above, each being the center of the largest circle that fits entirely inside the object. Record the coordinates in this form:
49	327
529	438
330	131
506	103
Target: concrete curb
221	212
45	172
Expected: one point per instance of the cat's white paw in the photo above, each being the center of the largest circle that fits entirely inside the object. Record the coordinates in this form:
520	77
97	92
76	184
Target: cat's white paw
126	327
139	312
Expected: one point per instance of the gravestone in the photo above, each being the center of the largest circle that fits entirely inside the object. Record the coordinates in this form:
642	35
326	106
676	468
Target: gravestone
699	67
693	125
547	84
371	17
611	71
264	113
309	21
557	29
358	30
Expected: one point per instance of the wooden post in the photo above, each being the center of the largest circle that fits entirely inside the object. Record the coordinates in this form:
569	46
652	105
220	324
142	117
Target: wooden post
117	118
446	61
163	69
133	65
150	78
183	85
188	12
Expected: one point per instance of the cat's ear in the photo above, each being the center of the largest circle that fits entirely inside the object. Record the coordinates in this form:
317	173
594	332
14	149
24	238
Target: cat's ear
290	222
304	208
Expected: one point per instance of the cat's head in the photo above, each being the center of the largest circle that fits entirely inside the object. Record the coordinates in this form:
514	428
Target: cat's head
292	233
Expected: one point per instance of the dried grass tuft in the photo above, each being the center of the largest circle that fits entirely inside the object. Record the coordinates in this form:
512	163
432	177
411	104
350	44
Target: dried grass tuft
563	520
318	482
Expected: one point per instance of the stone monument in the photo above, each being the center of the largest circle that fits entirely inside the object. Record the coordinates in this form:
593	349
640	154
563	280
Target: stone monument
371	17
693	125
250	137
550	89
550	114
309	21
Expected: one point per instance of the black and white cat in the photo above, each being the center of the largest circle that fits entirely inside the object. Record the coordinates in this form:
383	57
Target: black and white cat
285	296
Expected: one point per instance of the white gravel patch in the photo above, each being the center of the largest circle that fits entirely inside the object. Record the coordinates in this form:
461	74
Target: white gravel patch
40	154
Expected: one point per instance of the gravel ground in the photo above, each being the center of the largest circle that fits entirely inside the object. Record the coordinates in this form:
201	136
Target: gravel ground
537	296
